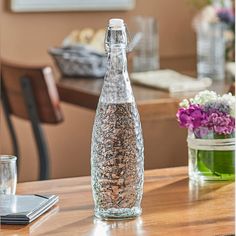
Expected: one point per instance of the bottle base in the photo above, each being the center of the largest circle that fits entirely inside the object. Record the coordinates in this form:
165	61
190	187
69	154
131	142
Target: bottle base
118	214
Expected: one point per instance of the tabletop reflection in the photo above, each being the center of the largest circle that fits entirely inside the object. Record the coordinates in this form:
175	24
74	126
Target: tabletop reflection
106	228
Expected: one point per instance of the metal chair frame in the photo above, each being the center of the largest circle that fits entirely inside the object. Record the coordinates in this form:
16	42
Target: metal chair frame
35	124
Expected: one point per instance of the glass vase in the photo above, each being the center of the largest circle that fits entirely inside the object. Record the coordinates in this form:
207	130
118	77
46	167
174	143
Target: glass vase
211	157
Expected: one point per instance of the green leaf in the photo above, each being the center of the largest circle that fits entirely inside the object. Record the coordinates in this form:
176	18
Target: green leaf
221	162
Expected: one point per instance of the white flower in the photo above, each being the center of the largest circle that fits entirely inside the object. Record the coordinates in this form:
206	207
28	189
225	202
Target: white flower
204	18
204	96
184	103
209	14
231	100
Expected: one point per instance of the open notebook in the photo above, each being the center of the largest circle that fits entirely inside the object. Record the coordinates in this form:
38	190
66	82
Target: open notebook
23	209
170	80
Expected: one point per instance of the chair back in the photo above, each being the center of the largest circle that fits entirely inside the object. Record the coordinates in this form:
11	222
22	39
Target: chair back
43	89
30	93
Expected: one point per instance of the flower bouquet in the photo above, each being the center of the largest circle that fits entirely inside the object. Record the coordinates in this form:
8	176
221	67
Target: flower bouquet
210	120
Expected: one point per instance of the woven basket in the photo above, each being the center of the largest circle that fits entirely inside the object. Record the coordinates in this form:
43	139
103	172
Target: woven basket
79	61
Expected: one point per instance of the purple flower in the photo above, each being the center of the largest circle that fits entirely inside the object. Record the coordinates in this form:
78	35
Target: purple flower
226	15
191	117
220	123
216	107
207	115
183	117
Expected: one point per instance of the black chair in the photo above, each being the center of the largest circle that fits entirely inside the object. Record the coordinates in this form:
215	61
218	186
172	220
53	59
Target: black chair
30	93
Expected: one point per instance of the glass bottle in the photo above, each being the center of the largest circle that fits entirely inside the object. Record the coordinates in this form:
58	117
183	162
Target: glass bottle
117	161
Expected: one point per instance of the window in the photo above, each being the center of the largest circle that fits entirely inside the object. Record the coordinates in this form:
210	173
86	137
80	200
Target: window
70	5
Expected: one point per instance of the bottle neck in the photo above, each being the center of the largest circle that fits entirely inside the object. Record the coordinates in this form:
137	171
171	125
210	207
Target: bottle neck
116	88
116	43
117	60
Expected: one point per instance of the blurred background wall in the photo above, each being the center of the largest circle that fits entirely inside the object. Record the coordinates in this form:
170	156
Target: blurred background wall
26	37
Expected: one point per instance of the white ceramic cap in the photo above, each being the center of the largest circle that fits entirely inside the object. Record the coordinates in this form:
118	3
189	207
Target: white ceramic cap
116	22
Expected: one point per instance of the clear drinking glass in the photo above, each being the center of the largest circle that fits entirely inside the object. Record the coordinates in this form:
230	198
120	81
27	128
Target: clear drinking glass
8	174
146	53
211	51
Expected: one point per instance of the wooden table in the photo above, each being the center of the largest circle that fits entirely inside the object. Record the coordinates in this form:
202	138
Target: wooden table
171	206
152	103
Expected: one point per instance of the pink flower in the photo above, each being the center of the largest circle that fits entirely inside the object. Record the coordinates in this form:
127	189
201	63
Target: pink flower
220	123
191	117
202	119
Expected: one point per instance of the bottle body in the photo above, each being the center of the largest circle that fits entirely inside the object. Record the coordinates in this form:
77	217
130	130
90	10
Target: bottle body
117	162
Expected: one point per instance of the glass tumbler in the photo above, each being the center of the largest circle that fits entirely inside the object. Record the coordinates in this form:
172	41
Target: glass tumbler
211	51
146	52
8	174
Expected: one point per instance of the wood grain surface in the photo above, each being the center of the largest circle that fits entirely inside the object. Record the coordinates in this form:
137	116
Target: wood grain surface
171	206
152	103
43	88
